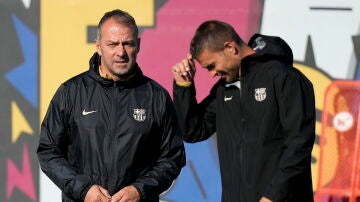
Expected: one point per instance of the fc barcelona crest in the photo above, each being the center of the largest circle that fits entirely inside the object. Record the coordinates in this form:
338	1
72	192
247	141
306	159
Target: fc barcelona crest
260	94
139	114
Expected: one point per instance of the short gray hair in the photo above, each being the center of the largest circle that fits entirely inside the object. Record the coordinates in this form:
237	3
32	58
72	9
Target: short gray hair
121	17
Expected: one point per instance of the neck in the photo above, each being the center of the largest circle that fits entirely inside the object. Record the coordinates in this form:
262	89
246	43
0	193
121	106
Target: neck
245	51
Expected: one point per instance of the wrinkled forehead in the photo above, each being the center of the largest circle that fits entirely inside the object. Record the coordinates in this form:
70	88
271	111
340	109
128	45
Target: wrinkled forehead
207	57
117	26
118	29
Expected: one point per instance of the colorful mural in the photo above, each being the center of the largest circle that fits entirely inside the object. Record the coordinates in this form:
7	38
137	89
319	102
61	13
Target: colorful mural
19	104
43	43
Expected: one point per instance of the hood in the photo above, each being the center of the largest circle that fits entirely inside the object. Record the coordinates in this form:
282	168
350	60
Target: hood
271	47
94	63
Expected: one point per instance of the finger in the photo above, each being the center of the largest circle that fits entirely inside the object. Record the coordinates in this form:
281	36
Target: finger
189	56
184	66
179	66
104	192
177	72
118	196
102	198
115	199
192	65
181	70
190	60
190	70
184	70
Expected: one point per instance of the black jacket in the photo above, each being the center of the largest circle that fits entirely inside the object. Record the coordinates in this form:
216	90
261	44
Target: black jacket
265	131
113	134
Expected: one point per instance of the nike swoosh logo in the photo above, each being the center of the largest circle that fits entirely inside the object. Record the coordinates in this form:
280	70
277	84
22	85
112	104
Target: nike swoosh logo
227	98
86	113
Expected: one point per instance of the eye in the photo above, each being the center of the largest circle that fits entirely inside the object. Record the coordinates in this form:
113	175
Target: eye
112	45
210	67
129	43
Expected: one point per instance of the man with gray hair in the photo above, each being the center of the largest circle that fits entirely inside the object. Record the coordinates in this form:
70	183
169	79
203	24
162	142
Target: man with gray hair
110	133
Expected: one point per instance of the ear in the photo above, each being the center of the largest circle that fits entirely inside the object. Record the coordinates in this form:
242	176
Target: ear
230	47
98	48
138	44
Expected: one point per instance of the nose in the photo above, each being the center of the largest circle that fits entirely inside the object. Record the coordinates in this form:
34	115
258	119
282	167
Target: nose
120	50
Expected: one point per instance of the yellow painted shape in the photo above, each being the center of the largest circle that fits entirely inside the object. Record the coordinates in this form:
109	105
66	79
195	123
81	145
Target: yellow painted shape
19	124
319	80
64	51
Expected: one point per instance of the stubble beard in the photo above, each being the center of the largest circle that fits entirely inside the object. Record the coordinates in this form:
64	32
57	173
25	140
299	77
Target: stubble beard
124	73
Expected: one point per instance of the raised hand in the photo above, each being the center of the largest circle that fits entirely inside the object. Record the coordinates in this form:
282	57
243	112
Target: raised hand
184	71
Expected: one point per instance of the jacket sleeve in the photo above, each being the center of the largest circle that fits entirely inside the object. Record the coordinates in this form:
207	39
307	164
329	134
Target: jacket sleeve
197	121
296	103
52	150
171	157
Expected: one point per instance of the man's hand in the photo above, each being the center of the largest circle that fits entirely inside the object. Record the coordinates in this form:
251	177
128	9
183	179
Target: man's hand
96	194
184	71
264	199
126	194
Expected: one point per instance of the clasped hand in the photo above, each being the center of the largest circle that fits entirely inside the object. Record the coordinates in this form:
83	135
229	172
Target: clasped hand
99	194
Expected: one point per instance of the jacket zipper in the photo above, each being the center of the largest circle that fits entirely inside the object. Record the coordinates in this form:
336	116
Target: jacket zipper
112	121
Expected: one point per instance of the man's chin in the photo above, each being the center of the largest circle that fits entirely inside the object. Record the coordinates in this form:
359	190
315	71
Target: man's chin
121	69
228	80
124	75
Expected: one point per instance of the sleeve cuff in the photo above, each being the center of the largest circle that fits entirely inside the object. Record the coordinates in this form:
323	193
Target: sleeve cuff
140	190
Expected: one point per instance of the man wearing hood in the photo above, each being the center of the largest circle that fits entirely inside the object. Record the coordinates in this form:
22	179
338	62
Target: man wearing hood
262	110
110	133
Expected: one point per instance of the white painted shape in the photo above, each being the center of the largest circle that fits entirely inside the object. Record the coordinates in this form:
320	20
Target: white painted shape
331	31
26	3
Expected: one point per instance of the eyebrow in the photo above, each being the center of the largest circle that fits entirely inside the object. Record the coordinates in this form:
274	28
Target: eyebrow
130	41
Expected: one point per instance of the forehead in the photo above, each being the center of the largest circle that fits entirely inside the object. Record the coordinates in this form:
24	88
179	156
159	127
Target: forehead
206	57
112	28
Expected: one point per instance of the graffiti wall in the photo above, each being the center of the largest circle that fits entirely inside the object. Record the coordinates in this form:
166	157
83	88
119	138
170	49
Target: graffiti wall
19	103
43	43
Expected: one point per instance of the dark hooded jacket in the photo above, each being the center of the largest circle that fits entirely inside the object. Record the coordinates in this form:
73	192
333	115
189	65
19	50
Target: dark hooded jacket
265	130
113	134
